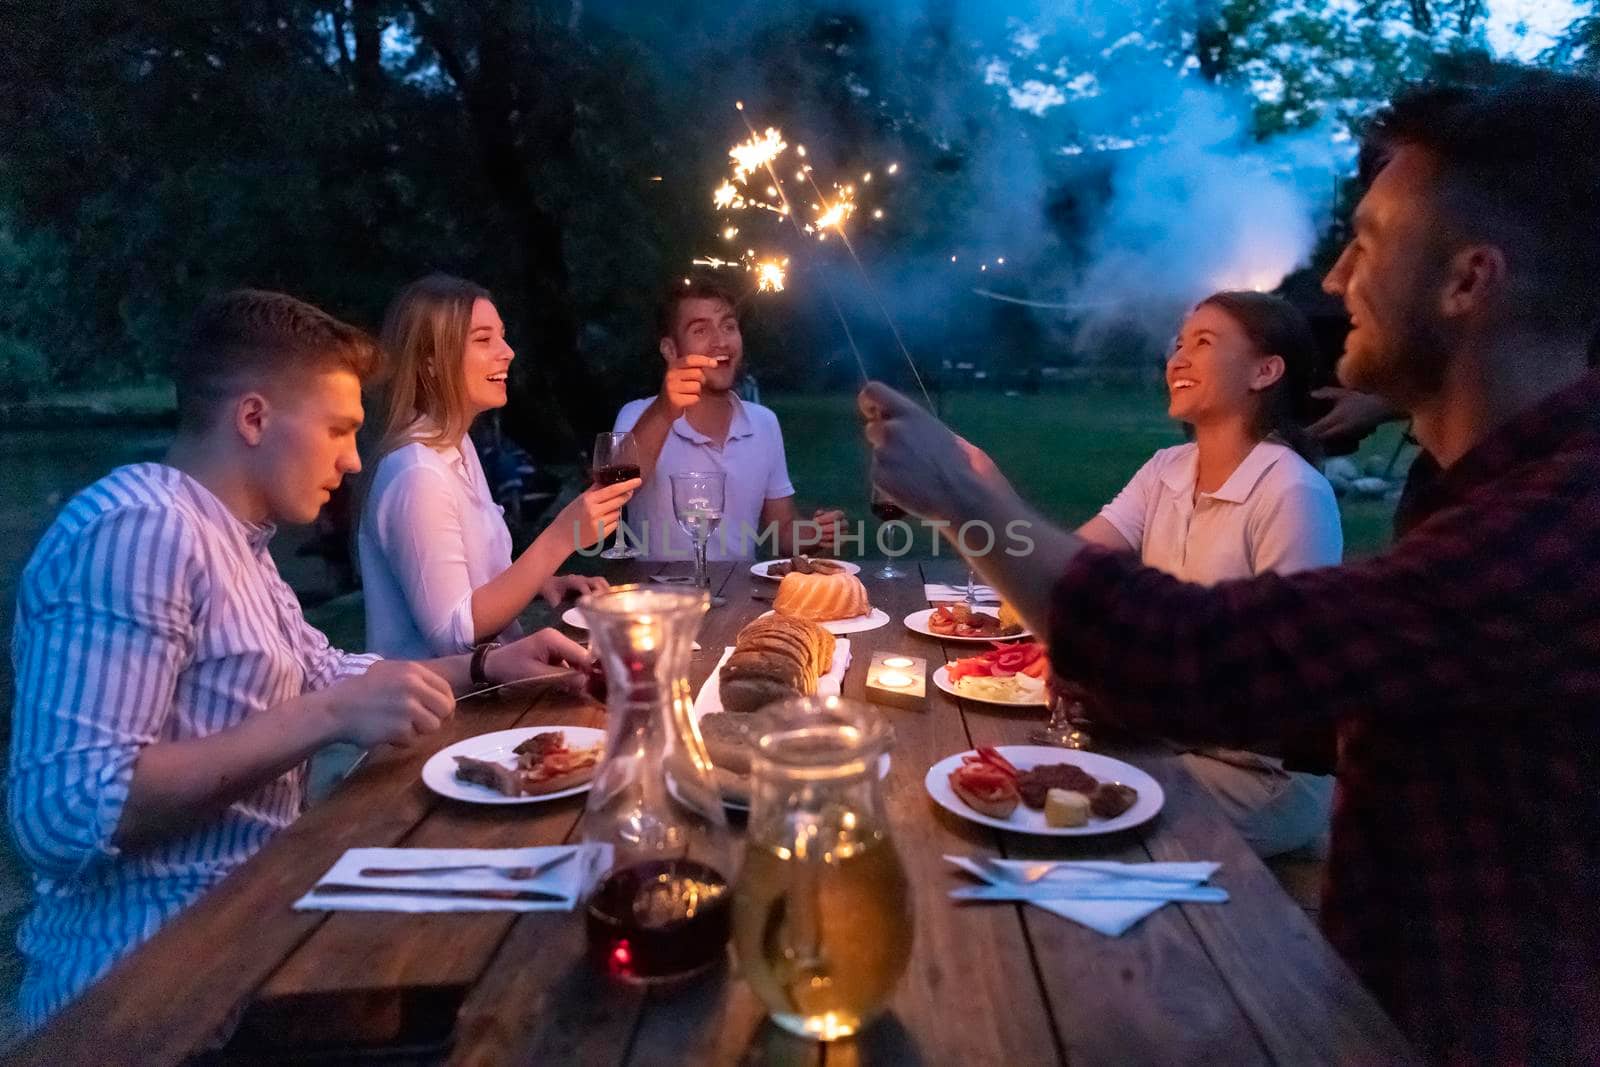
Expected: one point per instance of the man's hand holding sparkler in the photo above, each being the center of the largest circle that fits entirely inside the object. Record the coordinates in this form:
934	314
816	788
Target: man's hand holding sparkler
930	471
924	467
681	385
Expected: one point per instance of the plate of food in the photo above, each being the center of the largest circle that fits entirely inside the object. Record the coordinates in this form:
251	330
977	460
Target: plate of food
1039	789
836	602
1012	675
775	569
523	766
958	622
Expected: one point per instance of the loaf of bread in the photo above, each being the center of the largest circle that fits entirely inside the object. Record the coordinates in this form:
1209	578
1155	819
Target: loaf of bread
820	597
774	658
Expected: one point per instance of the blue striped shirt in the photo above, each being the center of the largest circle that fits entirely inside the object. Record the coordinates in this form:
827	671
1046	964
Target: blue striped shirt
149	612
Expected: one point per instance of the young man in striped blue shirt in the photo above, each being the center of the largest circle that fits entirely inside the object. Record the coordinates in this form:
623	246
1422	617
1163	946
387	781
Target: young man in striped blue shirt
168	689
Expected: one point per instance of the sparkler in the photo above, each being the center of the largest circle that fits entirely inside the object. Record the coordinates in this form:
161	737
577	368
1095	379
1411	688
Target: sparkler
760	153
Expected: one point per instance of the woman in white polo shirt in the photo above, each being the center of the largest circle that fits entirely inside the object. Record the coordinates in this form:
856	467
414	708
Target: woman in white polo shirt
1241	499
436	564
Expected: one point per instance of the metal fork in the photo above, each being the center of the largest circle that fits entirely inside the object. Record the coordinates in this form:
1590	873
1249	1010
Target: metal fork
1033	872
516	874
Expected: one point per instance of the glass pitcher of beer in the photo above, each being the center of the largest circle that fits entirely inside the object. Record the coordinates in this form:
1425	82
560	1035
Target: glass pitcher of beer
822	916
660	907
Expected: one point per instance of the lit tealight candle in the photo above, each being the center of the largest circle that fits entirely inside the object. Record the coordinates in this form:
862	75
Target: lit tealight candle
901	662
894	679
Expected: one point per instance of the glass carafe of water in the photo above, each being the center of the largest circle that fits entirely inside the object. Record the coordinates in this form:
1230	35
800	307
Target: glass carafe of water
660	909
822	916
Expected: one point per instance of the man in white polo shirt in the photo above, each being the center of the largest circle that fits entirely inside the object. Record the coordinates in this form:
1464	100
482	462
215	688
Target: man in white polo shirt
697	423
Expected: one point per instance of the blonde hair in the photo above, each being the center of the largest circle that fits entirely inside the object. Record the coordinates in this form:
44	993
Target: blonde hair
424	337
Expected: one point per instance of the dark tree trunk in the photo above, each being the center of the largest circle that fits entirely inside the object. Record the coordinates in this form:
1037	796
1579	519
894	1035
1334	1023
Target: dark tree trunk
557	406
369	44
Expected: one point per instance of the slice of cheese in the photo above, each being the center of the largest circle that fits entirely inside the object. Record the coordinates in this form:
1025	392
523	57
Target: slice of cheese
1064	807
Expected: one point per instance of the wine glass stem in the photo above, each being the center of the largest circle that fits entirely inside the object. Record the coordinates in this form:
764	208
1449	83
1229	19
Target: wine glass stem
701	578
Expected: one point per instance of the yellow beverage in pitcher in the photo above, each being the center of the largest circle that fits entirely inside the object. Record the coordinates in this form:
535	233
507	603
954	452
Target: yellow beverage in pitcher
823	939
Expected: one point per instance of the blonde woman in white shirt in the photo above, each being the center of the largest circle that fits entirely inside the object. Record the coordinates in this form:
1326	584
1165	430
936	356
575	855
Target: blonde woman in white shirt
435	552
1241	499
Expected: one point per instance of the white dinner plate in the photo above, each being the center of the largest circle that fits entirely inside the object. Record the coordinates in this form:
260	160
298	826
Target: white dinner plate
1027	821
760	569
859	624
917	622
941	678
439	773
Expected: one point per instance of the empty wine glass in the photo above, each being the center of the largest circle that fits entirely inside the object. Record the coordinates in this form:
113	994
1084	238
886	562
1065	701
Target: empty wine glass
887	510
697	502
616	459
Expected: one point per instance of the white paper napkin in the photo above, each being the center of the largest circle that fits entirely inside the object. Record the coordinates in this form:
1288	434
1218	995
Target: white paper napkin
1109	917
934	591
570	879
709	699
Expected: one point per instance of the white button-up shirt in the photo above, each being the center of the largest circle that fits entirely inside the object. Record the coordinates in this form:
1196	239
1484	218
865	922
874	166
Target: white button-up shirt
1276	512
757	470
430	535
148	613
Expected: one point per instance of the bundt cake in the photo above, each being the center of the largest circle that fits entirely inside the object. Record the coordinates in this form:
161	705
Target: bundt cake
821	597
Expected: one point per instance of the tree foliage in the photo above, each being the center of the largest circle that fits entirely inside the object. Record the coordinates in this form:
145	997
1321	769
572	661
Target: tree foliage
558	152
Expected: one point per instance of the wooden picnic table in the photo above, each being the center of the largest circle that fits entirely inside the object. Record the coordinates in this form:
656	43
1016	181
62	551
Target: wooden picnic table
1246	982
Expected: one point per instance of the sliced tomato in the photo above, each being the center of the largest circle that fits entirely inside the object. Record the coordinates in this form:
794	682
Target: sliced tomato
1039	668
992	757
984	779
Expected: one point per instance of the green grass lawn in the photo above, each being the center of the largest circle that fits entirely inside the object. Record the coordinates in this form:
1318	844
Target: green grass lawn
1068	452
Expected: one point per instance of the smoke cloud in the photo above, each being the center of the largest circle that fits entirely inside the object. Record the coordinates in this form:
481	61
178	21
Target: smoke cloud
1065	156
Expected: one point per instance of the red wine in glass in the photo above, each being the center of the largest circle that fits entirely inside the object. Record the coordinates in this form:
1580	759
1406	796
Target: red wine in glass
659	919
887	510
612	473
615	459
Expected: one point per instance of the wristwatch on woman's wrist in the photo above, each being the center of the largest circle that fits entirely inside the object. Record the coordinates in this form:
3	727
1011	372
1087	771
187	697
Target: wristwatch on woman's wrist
480	657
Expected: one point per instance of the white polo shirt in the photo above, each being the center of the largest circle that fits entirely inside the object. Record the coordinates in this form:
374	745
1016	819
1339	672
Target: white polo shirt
757	470
1276	512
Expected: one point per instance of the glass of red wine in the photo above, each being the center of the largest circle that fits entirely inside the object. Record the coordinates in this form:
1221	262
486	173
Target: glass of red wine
616	459
886	510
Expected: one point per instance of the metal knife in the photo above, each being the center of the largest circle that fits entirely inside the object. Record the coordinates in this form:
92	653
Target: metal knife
563	677
342	889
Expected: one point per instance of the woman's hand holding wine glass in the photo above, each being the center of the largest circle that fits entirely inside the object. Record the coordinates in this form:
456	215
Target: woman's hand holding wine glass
615	463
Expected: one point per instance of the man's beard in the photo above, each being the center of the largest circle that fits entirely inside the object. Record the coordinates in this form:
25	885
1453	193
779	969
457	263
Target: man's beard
1407	367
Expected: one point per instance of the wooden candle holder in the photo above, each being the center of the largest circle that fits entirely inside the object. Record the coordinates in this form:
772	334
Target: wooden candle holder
906	677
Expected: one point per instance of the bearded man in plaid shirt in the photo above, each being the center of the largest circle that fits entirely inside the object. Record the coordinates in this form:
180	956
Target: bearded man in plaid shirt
1461	669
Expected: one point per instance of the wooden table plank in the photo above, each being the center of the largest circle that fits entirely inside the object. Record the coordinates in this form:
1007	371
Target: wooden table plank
1127	1000
969	994
377	950
1264	962
538	995
1302	998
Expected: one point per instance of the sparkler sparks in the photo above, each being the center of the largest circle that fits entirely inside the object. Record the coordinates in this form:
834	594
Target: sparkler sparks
770	276
756	153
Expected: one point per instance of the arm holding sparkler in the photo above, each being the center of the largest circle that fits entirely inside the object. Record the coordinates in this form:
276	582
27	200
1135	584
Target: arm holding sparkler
928	470
680	390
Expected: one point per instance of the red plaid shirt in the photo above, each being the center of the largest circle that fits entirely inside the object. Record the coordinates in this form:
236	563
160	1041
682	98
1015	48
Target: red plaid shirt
1461	670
